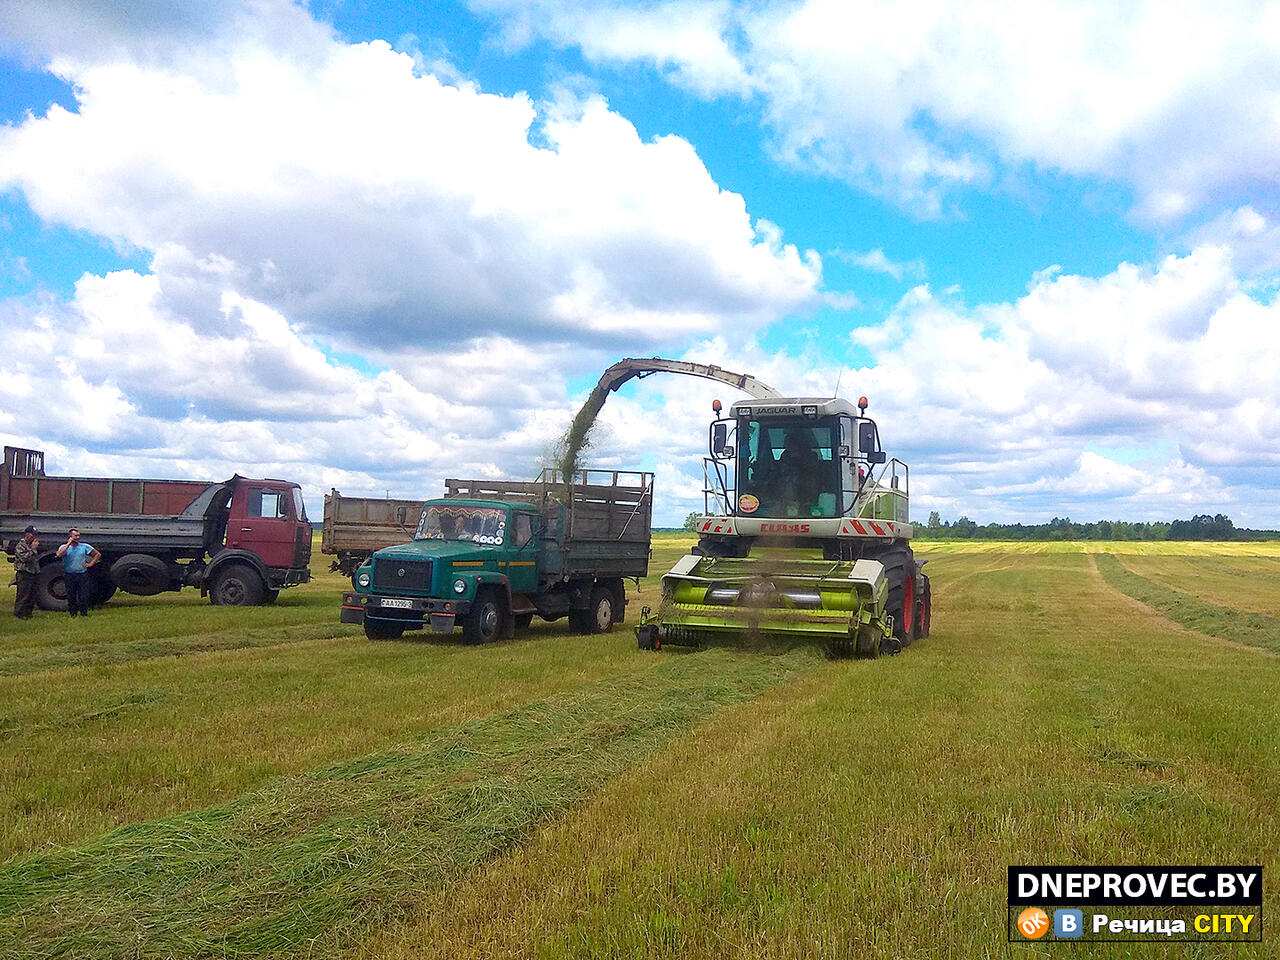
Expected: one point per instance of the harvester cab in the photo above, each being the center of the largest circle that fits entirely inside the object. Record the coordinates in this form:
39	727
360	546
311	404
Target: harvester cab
806	534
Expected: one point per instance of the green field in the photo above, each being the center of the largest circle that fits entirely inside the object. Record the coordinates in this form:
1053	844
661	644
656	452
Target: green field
188	781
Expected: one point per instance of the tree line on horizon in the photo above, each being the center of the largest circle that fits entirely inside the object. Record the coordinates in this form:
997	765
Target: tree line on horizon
1202	526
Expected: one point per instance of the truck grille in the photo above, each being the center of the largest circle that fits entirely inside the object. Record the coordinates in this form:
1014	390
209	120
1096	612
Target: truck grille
410	575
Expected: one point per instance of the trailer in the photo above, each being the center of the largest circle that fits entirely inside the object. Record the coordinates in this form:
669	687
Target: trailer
354	527
240	541
492	554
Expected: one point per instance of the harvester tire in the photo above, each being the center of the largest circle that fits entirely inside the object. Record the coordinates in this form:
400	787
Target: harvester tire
383	629
900	571
925	607
484	621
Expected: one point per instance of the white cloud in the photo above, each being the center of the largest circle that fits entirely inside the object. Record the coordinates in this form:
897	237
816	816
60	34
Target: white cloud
363	200
878	262
915	100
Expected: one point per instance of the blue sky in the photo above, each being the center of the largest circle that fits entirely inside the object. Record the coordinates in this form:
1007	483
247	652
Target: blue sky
368	245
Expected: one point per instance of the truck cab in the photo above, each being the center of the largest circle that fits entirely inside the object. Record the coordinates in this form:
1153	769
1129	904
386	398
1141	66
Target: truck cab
470	561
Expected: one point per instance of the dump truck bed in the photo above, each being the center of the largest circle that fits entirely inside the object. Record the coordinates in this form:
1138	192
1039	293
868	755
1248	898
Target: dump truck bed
364	524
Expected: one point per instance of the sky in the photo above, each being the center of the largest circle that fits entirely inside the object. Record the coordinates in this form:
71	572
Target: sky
368	246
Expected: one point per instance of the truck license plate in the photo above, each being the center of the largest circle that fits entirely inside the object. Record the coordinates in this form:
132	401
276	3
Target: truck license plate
398	604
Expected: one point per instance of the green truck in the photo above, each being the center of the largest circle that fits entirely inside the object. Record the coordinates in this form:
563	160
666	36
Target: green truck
491	554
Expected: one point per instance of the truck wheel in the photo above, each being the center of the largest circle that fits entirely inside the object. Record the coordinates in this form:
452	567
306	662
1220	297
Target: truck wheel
599	617
483	623
383	629
51	588
237	586
103	590
270	596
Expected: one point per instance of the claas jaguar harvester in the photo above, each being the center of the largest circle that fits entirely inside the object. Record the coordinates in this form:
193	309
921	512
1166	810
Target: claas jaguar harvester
806	534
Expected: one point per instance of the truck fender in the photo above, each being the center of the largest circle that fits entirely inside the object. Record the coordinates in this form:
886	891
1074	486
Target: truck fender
224	557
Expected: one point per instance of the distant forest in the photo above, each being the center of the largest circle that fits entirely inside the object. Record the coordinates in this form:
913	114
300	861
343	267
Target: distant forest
1200	527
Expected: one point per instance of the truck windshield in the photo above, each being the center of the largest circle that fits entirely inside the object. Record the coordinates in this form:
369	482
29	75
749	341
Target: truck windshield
458	522
787	467
299	508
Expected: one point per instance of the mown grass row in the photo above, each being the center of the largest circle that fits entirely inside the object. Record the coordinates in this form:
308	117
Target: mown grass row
300	865
1248	584
1254	629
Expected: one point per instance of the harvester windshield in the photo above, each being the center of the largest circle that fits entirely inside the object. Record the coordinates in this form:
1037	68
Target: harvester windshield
792	467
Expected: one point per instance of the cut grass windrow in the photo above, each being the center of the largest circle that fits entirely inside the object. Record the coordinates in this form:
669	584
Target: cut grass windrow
98	652
302	865
1254	629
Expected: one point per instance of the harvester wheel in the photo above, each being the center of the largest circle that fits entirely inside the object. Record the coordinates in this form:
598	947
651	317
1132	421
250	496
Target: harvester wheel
483	623
900	570
925	605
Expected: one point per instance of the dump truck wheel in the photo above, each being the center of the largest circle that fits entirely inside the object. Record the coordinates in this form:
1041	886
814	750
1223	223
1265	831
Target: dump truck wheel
103	590
383	629
237	586
483	623
51	587
270	596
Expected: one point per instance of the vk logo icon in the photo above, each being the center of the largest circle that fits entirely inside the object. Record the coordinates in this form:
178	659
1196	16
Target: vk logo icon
1067	924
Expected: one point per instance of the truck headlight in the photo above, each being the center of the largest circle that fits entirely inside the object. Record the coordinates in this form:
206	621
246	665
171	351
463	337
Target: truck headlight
362	579
459	586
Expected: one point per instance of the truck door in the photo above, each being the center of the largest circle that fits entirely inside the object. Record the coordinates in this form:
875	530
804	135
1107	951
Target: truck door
262	521
522	570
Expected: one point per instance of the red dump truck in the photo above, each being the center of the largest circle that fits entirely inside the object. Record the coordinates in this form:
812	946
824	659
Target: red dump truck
239	541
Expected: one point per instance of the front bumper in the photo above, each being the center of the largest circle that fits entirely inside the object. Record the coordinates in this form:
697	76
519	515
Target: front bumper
439	615
279	577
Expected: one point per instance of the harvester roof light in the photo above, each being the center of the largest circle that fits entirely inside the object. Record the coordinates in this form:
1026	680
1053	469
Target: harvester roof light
809	410
862	404
744	411
717	406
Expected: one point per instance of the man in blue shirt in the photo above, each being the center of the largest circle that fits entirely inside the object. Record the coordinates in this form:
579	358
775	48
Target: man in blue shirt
77	558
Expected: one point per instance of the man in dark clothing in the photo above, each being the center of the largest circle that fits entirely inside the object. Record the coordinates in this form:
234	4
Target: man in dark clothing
26	566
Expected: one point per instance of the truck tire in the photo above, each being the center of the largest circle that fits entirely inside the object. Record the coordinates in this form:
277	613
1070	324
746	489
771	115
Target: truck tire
270	596
600	615
484	621
51	587
103	590
237	585
140	574
383	629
